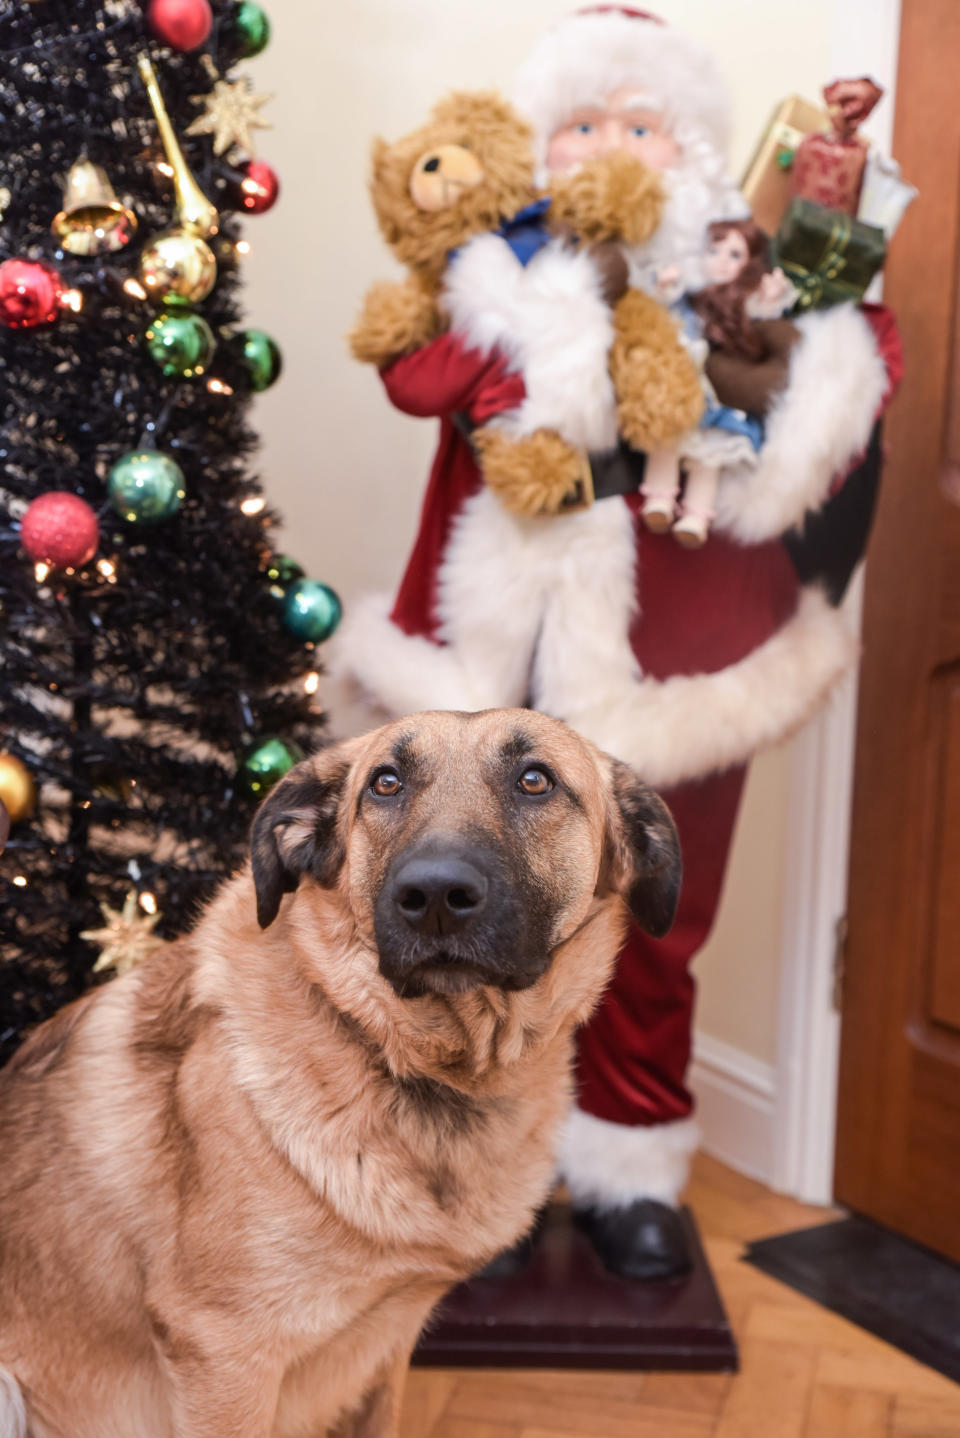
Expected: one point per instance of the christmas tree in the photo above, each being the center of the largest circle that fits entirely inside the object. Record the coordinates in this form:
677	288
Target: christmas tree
157	657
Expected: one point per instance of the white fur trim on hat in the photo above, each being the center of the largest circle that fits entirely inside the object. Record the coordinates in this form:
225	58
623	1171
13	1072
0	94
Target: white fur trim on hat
610	1165
586	56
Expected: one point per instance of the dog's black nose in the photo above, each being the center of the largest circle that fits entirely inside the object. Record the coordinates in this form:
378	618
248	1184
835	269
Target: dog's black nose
439	894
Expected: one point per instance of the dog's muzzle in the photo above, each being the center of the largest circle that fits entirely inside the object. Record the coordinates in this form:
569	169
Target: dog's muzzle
448	919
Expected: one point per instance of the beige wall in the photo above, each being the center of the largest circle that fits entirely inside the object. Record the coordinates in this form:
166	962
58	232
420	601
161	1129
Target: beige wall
345	469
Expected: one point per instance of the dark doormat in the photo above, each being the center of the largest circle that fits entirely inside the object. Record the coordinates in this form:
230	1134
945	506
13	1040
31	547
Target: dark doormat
884	1283
564	1310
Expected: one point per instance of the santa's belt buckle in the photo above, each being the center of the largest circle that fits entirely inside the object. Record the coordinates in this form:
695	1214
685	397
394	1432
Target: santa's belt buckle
582	495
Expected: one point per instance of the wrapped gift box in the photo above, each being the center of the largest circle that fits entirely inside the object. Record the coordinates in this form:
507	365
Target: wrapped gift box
830	256
766	183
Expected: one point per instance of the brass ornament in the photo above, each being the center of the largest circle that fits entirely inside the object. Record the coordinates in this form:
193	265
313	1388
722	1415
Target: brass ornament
194	211
17	789
180	264
92	221
127	936
231	112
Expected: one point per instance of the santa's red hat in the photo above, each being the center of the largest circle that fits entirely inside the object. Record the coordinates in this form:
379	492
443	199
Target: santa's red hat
587	55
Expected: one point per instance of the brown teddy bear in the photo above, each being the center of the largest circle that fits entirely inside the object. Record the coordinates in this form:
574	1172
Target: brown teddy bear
505	266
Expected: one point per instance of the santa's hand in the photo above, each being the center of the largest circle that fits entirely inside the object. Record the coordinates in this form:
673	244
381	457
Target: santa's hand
530	474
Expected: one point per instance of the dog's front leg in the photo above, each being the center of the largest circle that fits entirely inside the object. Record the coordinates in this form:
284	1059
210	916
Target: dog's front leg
222	1397
378	1415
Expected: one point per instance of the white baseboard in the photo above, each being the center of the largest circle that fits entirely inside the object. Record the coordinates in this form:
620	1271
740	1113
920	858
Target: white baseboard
736	1104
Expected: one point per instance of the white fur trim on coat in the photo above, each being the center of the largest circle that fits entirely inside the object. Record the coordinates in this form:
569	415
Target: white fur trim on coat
686	726
815	430
583	58
13	1411
550	320
610	1165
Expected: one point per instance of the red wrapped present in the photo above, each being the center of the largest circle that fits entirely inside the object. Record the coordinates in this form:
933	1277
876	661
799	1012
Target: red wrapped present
828	169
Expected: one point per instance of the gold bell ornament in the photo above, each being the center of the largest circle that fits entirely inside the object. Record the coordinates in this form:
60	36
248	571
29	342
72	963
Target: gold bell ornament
178	263
92	221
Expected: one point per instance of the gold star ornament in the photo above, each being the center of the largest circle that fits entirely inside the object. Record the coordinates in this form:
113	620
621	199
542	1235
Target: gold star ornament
126	938
231	112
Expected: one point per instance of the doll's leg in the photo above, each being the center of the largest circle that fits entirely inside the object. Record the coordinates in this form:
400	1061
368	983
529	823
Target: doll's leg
697	506
661	481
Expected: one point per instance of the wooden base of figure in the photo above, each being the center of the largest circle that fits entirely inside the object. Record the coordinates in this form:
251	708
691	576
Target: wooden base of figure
565	1310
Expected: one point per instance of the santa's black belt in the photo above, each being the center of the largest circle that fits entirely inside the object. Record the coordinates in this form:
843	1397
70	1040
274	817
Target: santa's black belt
613	472
606	474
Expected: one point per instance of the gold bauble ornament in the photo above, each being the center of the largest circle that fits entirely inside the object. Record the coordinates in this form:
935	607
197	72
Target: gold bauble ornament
180	264
17	789
231	112
127	937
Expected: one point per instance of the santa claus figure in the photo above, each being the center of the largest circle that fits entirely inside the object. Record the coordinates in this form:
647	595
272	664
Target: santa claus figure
682	662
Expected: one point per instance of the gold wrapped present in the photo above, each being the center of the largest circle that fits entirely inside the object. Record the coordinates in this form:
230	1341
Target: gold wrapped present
766	183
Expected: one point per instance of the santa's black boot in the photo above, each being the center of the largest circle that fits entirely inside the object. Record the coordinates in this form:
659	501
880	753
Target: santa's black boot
625	1184
644	1240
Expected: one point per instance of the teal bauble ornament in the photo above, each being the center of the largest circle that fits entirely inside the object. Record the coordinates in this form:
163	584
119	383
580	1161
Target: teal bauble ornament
311	610
146	486
180	343
253	29
265	762
260	357
281	573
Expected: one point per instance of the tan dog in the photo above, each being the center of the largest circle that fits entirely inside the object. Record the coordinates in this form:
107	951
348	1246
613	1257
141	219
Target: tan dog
235	1182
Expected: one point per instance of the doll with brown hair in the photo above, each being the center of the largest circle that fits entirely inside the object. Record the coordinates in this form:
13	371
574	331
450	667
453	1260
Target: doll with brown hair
724	316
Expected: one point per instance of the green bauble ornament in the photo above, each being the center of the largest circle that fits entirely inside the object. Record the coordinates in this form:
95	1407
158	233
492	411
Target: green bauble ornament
311	610
180	343
266	761
281	573
146	486
261	358
178	265
253	29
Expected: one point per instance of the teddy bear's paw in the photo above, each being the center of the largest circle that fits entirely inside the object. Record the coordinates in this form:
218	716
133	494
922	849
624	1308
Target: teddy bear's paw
530	474
615	197
659	395
396	319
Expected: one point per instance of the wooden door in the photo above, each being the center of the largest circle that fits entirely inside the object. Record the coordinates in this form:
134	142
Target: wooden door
898	1139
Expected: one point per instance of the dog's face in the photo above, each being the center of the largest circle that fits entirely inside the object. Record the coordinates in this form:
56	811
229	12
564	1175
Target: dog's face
468	847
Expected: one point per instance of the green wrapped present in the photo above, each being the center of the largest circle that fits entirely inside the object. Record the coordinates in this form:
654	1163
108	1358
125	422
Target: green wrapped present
830	257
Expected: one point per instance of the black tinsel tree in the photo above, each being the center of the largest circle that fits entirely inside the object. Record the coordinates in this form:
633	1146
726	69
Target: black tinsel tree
132	686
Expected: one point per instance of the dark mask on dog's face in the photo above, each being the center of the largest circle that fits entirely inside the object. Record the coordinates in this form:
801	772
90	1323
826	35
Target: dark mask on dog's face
468	847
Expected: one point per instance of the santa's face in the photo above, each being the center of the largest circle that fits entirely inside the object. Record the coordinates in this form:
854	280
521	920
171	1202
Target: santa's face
626	120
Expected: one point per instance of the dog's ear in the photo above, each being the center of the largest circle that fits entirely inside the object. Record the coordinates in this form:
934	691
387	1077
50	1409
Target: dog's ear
643	860
296	832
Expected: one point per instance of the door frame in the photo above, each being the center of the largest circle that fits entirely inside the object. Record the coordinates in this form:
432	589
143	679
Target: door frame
865	39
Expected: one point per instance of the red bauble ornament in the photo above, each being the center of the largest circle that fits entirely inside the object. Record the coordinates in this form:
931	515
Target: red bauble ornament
60	529
30	294
181	24
259	188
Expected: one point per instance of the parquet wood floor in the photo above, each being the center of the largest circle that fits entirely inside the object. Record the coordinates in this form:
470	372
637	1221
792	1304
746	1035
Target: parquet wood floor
805	1372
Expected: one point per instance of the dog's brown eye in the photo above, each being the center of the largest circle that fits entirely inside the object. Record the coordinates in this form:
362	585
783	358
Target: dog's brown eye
535	781
386	784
